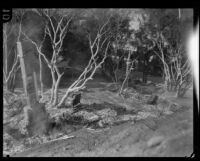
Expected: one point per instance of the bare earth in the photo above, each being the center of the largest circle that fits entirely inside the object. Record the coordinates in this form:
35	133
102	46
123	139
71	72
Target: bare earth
167	135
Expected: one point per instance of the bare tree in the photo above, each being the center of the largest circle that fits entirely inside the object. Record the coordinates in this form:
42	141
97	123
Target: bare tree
100	42
177	71
9	68
40	55
115	67
57	37
11	34
129	68
57	31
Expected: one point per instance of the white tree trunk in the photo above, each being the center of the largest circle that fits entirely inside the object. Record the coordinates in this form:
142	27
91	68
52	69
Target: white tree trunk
55	102
53	85
41	82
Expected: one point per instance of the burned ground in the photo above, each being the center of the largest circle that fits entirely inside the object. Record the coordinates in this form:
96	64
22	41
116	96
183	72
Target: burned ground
106	125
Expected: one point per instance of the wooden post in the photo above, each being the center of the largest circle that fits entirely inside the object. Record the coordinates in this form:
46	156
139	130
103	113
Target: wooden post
23	70
28	80
31	89
37	116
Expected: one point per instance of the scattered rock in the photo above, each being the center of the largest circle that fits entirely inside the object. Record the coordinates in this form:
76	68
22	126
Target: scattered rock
174	107
137	96
144	115
9	97
126	118
163	104
113	87
155	141
159	90
146	90
14	132
130	90
7	141
106	113
106	121
149	82
89	116
167	112
150	107
15	107
45	98
168	107
63	112
92	117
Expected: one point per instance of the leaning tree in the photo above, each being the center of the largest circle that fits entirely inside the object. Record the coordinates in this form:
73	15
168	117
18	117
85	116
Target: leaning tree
98	35
56	28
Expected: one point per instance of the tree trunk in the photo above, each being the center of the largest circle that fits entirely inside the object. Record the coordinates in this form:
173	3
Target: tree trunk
124	82
144	76
56	90
11	84
23	69
182	89
35	85
63	98
41	82
53	85
6	85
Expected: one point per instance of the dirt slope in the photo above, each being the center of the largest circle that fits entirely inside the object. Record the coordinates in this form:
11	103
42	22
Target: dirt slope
167	135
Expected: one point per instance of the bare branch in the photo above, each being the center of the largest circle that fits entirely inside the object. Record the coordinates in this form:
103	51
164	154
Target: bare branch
52	26
11	71
62	32
90	69
38	49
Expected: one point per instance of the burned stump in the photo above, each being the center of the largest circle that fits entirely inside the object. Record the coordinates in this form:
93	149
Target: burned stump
76	100
153	100
38	120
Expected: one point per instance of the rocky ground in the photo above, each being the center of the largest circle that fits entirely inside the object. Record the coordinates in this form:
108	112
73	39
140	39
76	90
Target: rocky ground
108	125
